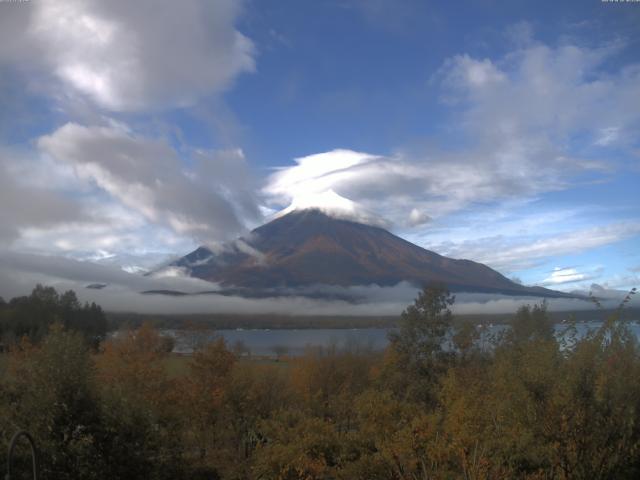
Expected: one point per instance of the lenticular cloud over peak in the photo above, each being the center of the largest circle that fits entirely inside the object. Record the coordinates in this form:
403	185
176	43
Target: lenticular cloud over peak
315	174
333	182
364	187
318	182
334	205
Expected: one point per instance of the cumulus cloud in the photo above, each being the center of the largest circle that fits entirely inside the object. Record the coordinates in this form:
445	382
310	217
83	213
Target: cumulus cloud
208	202
24	205
45	207
465	73
98	185
120	54
544	95
518	116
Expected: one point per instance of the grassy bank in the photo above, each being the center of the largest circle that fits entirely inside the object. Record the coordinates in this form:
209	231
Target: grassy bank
177	365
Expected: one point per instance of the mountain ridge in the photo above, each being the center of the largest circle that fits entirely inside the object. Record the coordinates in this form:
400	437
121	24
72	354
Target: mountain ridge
307	248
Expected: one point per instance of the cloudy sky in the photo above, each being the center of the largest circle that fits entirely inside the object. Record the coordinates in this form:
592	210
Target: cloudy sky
504	132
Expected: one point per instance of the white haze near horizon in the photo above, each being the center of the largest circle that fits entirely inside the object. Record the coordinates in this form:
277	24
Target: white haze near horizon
18	275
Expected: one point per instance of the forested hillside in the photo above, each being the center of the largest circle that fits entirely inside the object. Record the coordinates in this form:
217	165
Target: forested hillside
523	407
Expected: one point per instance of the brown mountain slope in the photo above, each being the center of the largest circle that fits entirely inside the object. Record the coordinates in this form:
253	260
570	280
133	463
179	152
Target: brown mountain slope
307	248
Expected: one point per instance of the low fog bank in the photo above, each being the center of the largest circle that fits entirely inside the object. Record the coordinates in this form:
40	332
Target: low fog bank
19	273
481	303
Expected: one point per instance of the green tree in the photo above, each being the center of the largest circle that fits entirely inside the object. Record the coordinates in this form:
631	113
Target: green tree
33	315
531	323
423	326
416	348
253	395
50	391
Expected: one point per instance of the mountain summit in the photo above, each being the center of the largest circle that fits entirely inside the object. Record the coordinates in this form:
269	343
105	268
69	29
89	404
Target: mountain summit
307	248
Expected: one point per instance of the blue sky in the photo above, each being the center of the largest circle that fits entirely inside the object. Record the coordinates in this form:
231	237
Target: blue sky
504	132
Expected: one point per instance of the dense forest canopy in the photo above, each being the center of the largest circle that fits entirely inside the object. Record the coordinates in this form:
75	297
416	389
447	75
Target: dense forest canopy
32	315
527	407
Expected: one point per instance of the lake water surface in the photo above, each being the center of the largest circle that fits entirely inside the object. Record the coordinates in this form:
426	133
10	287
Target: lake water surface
266	342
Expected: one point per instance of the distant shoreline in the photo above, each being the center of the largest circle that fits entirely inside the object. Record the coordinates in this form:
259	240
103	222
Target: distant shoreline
118	320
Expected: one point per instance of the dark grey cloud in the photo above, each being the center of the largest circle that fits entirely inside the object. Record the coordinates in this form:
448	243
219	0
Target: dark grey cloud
24	206
208	202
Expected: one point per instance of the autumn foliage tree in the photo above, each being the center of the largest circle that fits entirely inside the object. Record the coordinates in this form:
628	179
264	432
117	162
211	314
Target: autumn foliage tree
49	390
136	400
539	402
202	396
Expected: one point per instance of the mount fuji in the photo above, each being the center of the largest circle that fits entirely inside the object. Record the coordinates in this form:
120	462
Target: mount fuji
306	249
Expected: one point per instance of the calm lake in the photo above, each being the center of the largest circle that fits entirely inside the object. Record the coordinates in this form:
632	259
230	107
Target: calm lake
266	342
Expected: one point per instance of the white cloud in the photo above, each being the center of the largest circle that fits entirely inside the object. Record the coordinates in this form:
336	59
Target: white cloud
468	74
542	95
623	283
45	207
406	190
101	186
24	204
114	235
505	254
52	269
20	272
607	136
315	174
416	217
334	205
128	56
208	202
518	116
567	275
